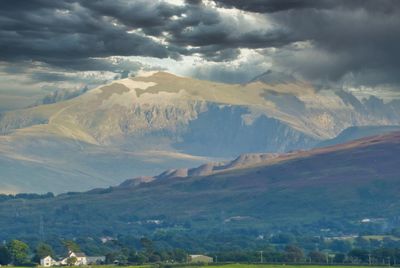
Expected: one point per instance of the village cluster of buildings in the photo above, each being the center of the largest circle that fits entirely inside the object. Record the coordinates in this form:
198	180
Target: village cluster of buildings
73	259
80	259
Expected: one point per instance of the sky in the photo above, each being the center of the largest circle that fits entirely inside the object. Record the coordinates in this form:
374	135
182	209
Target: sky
48	45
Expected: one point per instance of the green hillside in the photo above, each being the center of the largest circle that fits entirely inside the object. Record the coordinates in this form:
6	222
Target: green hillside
334	187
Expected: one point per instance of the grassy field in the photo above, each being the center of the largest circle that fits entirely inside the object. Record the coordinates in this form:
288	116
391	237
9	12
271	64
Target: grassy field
282	266
226	266
254	266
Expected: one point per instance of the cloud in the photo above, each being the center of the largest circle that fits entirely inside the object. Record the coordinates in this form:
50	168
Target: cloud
74	30
328	42
344	41
357	39
70	30
270	6
24	83
249	64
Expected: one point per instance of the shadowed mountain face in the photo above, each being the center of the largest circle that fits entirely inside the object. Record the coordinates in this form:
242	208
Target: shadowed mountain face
311	189
143	125
220	131
353	133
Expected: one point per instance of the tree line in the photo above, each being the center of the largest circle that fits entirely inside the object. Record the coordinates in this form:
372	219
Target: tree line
18	253
295	254
27	196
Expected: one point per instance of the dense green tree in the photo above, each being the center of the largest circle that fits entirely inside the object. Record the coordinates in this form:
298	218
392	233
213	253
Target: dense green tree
396	232
294	253
375	243
137	257
361	242
19	252
283	239
147	245
111	257
179	255
387	242
71	261
359	255
141	258
42	250
122	258
339	258
71	245
385	255
154	258
317	257
274	256
5	257
342	246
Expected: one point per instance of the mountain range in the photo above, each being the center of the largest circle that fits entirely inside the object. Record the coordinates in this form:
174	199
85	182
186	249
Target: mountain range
140	126
333	188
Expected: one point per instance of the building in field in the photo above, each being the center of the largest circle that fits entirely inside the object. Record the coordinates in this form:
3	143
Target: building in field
74	259
200	259
48	262
79	257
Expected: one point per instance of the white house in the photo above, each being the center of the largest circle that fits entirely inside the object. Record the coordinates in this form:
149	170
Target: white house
81	258
48	261
200	259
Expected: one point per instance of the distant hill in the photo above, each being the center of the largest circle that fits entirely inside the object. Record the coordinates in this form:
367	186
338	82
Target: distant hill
327	188
353	133
143	125
207	169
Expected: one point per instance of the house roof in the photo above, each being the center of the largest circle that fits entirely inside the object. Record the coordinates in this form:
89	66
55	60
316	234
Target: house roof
80	254
48	256
196	256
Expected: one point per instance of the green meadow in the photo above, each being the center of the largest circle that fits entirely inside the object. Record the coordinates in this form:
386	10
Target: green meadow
228	266
286	266
283	266
236	265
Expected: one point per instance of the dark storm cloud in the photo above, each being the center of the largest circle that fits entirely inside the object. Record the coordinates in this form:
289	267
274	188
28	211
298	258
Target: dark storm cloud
356	39
226	36
268	6
55	31
271	6
349	38
193	2
150	16
218	38
49	77
50	32
97	64
346	40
